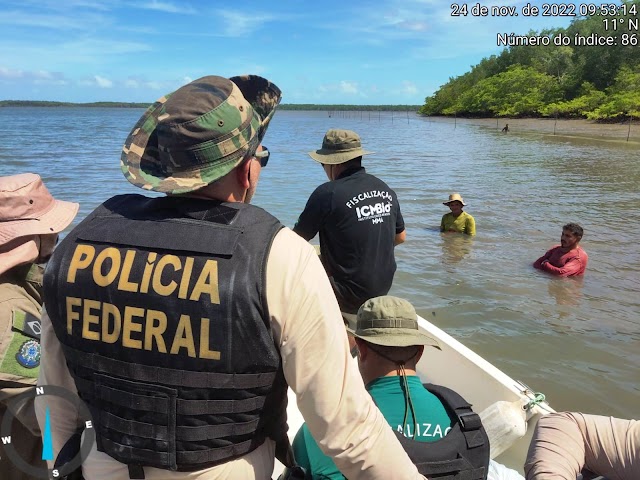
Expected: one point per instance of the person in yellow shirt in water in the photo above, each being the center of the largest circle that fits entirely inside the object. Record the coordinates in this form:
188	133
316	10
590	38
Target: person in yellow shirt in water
457	220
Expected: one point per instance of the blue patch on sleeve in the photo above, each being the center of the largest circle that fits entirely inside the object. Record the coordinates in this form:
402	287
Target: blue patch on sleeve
29	354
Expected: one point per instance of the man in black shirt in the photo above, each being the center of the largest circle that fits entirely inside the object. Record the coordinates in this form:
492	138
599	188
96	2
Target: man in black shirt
359	220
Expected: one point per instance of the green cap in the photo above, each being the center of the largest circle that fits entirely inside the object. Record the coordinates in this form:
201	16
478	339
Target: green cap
390	321
199	133
339	146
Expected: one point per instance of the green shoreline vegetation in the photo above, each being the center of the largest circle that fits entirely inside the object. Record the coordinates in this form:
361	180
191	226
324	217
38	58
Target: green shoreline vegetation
284	106
564	78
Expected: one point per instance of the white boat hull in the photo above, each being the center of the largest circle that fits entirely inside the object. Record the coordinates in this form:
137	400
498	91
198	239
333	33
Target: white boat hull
480	383
462	370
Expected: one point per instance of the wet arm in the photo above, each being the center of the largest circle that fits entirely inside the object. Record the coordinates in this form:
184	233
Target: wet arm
470	228
572	267
401	232
545	258
400	237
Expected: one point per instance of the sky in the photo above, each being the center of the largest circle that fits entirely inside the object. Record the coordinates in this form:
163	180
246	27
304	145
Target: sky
359	52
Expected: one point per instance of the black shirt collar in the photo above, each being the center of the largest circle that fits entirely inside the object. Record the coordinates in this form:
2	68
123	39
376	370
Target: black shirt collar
351	171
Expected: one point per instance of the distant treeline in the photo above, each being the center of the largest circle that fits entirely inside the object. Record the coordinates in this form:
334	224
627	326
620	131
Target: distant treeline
564	76
285	106
350	108
45	103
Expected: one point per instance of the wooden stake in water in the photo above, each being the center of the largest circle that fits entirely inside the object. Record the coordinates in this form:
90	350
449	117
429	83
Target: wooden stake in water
629	130
554	123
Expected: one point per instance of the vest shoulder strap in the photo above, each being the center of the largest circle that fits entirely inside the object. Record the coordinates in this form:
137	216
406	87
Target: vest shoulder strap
451	397
463	454
468	419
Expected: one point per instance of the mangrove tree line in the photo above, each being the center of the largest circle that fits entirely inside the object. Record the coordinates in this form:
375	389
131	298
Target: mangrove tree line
566	77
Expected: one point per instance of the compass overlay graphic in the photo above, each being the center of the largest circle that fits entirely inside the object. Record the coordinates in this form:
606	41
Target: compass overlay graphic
76	408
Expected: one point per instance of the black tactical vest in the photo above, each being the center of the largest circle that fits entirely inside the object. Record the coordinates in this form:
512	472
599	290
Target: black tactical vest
160	307
463	454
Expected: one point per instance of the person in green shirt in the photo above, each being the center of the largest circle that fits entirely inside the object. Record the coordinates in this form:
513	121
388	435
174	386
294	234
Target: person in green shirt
387	359
457	220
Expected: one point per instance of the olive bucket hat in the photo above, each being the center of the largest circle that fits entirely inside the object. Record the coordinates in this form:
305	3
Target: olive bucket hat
199	133
339	146
390	321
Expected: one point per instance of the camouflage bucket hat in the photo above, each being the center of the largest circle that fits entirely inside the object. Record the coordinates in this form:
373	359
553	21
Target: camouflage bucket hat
199	133
339	146
390	321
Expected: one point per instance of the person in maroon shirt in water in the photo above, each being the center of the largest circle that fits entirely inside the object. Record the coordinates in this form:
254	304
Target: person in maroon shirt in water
567	259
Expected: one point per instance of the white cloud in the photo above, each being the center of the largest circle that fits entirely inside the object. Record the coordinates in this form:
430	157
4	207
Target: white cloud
348	87
10	74
409	88
39	77
103	82
51	21
67	5
85	4
237	23
81	54
343	87
43	77
102	48
43	74
168	7
143	84
397	20
413	26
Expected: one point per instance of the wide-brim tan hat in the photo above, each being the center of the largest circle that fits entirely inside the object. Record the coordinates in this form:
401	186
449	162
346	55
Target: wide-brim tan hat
339	146
199	133
390	321
455	197
27	208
